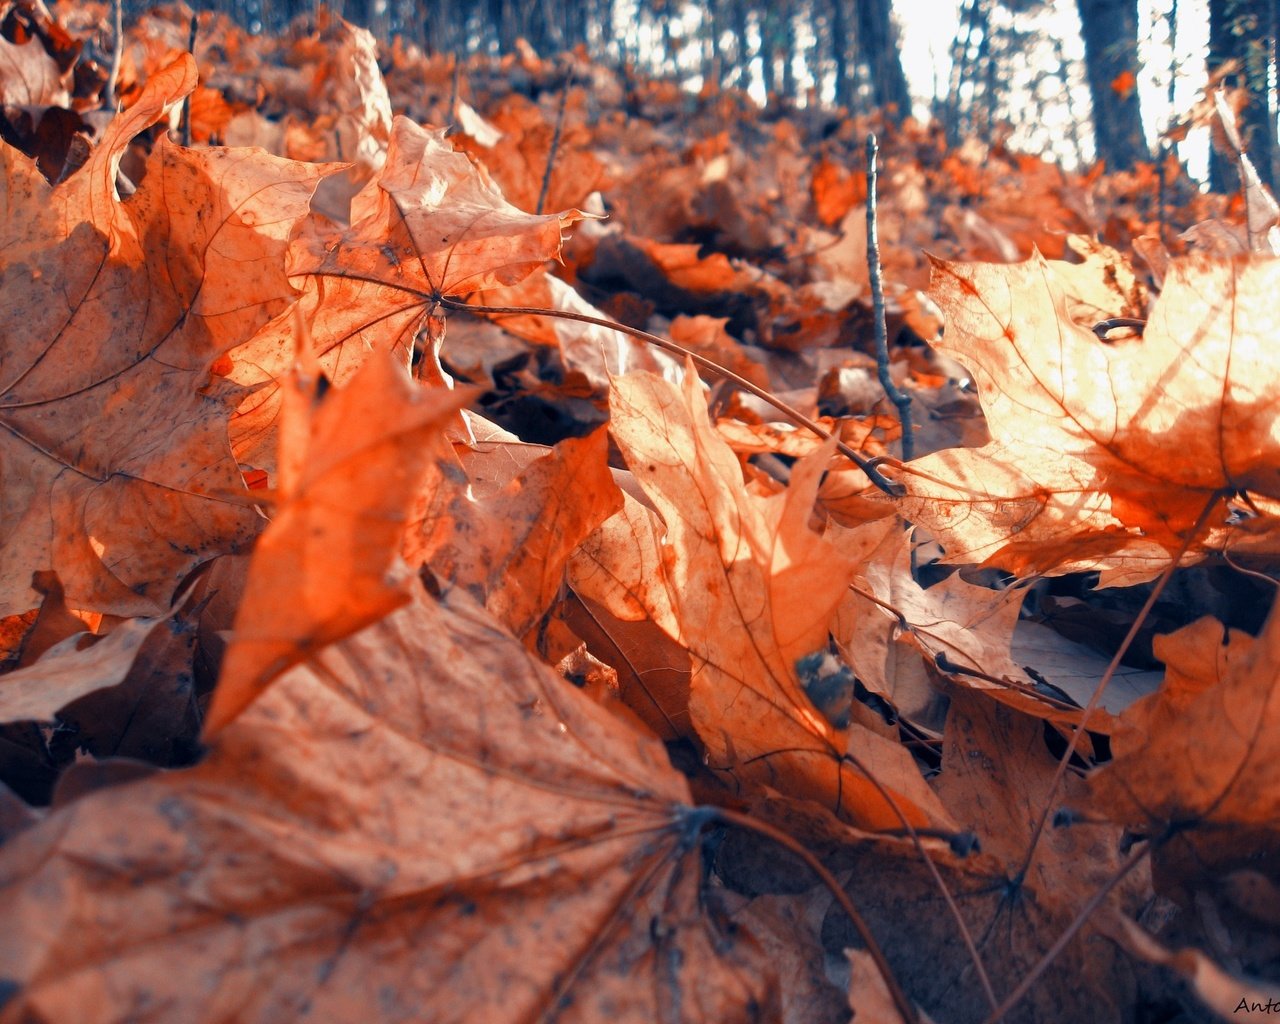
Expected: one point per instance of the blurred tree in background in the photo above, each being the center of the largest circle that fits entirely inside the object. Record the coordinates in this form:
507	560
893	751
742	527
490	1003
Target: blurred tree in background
1063	76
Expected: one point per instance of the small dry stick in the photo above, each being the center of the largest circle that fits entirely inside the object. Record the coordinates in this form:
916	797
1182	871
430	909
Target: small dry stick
899	398
117	55
454	83
555	140
186	103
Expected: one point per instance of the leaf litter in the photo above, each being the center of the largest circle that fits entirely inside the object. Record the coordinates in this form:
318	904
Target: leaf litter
220	468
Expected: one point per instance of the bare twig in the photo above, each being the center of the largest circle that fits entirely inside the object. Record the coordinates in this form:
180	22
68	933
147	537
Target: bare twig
868	466
117	55
555	140
185	128
899	398
454	84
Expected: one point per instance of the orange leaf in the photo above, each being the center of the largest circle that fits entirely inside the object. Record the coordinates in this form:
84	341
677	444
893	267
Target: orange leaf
114	454
1104	454
429	223
509	547
328	565
1124	83
1219	781
420	819
746	586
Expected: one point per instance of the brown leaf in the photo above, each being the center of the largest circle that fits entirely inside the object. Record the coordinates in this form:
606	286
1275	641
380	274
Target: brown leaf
30	77
429	223
888	624
1196	766
519	155
420	819
1104	455
78	666
787	929
748	589
652	669
115	438
509	548
329	565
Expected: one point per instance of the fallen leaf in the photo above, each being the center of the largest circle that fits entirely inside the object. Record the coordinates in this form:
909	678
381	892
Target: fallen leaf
748	589
1230	998
71	669
115	438
1195	765
509	548
1079	475
428	224
328	565
420	818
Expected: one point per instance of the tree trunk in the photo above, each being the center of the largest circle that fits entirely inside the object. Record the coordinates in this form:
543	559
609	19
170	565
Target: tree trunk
840	54
1244	31
878	49
1110	29
788	51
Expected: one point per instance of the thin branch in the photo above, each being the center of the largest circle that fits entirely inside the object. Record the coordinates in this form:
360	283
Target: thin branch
555	141
117	55
454	84
185	127
899	398
894	490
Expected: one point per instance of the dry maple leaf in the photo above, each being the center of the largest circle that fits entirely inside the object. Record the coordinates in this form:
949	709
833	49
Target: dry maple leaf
1103	454
996	776
78	666
888	626
515	146
430	223
117	471
1196	764
420	819
509	547
744	584
328	564
29	76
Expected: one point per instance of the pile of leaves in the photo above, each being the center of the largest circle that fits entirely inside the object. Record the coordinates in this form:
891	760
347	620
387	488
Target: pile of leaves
387	635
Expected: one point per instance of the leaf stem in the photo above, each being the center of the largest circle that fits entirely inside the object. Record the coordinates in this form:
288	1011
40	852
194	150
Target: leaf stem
904	1005
185	124
868	466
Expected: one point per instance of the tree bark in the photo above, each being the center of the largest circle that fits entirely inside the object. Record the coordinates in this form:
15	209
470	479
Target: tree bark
879	49
840	54
1110	29
1244	31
